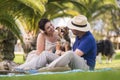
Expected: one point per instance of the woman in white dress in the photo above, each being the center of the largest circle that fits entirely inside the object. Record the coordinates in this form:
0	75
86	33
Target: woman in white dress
46	43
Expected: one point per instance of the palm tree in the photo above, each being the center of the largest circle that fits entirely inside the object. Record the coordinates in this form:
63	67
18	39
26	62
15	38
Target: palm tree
28	11
24	10
7	43
7	37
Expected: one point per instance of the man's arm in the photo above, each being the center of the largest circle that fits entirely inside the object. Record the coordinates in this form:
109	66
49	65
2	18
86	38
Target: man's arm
79	52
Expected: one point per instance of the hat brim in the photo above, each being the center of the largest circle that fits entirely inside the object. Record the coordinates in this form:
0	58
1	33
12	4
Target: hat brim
84	29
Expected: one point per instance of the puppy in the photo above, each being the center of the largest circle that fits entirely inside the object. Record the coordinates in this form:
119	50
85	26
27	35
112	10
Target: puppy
105	48
64	42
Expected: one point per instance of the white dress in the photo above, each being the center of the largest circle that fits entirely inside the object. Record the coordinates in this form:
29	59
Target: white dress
33	60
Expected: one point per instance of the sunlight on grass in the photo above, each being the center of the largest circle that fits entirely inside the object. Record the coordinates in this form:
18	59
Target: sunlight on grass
19	58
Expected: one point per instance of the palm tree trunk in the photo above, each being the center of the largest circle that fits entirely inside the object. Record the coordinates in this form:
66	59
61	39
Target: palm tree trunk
7	44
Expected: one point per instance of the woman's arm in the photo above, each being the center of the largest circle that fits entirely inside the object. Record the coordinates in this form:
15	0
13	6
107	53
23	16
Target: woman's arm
40	43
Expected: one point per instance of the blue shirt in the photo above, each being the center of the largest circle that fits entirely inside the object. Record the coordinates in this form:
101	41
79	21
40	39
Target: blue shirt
87	45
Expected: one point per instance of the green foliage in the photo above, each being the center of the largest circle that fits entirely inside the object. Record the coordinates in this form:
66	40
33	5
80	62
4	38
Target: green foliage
36	5
19	58
59	8
8	21
28	10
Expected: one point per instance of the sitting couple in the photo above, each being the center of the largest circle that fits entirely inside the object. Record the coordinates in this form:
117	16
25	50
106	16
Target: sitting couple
83	53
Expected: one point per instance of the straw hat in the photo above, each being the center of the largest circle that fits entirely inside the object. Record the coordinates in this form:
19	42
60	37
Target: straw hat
79	23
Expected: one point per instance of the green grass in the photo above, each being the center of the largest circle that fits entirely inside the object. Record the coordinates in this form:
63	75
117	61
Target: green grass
108	75
19	58
114	65
103	75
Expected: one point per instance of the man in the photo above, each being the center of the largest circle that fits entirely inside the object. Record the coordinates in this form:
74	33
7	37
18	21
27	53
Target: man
84	49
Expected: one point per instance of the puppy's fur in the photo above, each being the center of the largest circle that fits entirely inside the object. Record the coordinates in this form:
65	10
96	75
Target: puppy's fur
64	42
105	48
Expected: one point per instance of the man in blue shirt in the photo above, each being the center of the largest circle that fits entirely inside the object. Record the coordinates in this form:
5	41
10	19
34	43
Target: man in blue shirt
84	48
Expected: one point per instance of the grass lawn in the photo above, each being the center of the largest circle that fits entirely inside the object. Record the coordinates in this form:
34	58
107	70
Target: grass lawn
110	75
19	58
103	75
114	65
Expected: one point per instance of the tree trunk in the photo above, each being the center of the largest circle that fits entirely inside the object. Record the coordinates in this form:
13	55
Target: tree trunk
7	44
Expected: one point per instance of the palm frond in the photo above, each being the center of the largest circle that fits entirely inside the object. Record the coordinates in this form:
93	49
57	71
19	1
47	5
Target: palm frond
81	7
9	22
36	5
53	8
101	10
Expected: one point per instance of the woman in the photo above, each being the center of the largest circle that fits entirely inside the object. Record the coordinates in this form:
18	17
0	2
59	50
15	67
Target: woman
46	43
